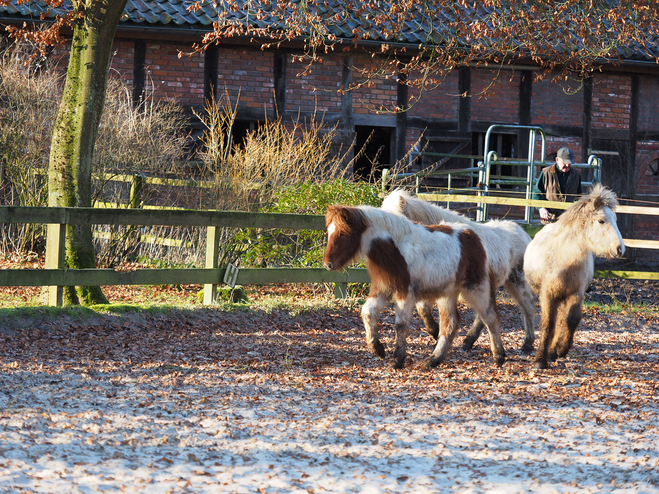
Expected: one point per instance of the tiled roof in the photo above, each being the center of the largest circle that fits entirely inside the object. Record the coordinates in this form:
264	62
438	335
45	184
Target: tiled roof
340	16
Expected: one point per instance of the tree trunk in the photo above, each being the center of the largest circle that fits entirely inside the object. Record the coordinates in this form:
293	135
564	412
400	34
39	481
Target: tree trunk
76	128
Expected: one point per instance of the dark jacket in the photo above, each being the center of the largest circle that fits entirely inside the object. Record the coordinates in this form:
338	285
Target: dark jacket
554	185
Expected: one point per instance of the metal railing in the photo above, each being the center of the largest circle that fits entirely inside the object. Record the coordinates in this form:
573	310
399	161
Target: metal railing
481	172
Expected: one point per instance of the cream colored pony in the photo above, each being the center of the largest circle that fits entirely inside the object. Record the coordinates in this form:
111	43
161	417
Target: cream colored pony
504	243
559	266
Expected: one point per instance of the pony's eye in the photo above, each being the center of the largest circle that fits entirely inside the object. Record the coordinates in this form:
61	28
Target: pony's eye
601	221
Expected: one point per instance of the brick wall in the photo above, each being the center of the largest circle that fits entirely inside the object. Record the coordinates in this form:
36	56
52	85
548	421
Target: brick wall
557	103
441	101
495	96
172	78
376	93
317	90
247	71
612	96
123	61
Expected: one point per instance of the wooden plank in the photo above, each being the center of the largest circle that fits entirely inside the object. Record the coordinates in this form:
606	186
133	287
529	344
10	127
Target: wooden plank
107	277
258	276
641	244
212	255
514	201
170	217
175	276
628	275
55	251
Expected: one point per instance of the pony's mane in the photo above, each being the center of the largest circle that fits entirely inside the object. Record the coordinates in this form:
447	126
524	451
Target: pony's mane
598	198
356	219
402	202
394	223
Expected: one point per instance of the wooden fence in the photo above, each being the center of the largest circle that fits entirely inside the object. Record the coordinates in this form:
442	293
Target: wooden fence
55	275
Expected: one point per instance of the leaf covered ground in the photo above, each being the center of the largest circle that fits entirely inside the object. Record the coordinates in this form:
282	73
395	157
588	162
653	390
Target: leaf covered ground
284	397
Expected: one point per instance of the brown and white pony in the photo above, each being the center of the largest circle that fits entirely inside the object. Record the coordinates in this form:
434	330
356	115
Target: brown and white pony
411	262
504	243
559	266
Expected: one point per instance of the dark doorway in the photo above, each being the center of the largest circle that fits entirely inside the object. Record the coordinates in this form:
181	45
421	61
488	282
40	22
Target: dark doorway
241	129
373	151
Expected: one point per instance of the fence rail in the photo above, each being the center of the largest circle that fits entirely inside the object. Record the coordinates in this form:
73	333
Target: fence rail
55	276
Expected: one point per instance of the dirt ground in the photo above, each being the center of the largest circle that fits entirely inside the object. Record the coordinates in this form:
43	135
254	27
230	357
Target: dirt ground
288	399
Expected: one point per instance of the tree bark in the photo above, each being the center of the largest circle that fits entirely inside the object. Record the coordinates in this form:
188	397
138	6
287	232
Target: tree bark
76	128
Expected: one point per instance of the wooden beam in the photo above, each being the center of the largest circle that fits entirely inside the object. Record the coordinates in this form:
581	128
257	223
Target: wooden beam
514	201
55	250
176	276
212	254
150	217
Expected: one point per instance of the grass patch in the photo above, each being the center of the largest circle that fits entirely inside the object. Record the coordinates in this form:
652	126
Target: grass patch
618	307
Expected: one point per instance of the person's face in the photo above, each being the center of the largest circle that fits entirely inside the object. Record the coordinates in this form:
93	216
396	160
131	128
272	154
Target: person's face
562	165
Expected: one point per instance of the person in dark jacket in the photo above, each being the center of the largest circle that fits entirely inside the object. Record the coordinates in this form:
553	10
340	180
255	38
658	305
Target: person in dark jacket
558	182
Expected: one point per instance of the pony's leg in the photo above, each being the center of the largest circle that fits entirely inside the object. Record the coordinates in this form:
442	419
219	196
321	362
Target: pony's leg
424	310
449	323
548	310
473	333
484	305
370	313
569	317
403	317
520	290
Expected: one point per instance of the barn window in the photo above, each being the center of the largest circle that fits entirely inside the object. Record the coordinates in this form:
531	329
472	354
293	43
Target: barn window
654	168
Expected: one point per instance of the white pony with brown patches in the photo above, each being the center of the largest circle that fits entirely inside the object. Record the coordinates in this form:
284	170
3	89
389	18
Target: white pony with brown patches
559	266
504	243
411	262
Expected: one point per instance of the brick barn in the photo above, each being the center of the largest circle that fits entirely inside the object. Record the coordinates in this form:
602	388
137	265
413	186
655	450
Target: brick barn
614	114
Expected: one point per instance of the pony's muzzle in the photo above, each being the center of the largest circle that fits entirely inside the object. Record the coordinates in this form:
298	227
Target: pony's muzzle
328	266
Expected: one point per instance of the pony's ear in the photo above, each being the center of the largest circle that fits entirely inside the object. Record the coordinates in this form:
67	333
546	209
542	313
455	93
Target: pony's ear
335	212
598	203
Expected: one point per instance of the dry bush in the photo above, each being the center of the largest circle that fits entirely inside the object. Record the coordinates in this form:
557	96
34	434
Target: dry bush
148	139
29	98
275	155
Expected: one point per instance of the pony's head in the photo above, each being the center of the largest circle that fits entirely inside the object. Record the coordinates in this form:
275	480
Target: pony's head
594	216
396	202
345	226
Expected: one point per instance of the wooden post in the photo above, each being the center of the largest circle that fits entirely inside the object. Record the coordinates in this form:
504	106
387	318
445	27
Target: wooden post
136	186
212	254
132	238
55	249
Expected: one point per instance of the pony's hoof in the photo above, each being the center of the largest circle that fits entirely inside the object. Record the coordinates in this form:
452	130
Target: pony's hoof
540	365
527	348
468	343
499	360
396	364
434	362
378	349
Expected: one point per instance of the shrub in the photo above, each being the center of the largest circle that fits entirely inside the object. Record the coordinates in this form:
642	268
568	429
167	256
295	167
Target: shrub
302	247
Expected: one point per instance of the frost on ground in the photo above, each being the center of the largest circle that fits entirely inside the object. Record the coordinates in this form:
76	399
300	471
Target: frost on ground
251	401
